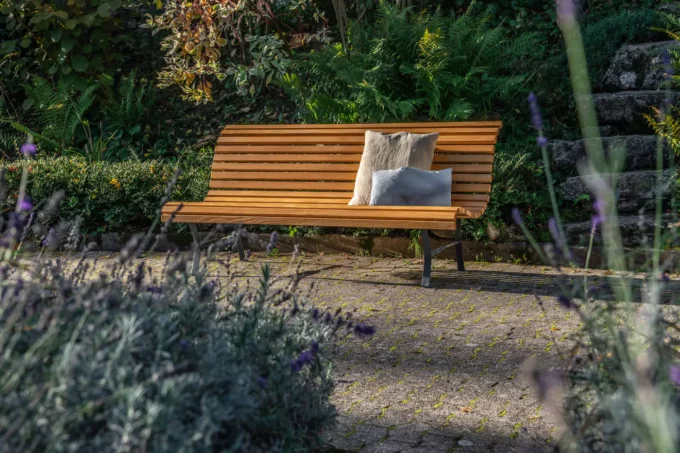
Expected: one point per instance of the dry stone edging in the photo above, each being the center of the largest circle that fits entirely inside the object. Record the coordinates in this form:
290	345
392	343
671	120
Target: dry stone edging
635	190
625	110
639	152
637	67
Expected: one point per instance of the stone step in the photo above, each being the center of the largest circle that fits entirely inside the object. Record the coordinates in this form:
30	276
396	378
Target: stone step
637	67
635	230
624	110
635	190
640	152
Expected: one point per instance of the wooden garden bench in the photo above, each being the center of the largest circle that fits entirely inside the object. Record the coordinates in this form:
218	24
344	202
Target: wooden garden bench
303	175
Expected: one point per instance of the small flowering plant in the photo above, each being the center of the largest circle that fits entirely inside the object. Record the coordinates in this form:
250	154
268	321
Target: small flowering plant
620	390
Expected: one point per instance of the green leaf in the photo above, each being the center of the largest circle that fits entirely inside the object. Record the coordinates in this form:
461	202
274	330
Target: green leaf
56	34
104	10
8	46
65	69
71	24
67	44
80	63
61	14
25	43
28	103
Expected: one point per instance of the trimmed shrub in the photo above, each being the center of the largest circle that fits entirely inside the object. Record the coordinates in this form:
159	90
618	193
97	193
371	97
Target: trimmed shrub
108	196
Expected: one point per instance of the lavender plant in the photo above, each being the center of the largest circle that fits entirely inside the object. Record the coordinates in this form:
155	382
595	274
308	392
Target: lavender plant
620	391
133	355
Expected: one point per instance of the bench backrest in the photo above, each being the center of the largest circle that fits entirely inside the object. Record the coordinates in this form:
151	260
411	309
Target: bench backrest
303	162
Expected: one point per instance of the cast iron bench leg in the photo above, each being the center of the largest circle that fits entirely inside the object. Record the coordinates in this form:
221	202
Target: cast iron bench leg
239	243
459	246
197	248
427	261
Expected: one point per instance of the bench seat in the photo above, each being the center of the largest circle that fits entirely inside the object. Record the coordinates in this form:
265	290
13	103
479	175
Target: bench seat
315	214
303	175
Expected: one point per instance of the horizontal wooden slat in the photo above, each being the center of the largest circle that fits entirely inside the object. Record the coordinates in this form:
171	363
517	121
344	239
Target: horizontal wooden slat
360	212
339	158
278	194
457	199
368	125
302	221
337	149
389	211
460	158
471	188
470	197
288	158
265	177
491	130
324	186
271	167
470	139
301	200
283	185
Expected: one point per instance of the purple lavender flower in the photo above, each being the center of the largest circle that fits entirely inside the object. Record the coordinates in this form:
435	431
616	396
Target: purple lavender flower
306	357
184	344
28	149
25	204
566	11
669	70
552	227
542	141
152	289
315	314
327	317
51	240
295	366
600	216
247	254
517	217
274	237
315	347
362	330
262	382
565	302
536	118
675	375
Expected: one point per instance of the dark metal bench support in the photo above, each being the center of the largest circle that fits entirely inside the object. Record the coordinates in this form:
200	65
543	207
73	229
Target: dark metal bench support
196	245
239	242
428	253
459	246
427	259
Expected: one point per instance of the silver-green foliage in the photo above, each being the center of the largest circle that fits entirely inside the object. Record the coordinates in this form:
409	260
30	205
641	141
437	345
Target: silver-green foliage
126	357
407	65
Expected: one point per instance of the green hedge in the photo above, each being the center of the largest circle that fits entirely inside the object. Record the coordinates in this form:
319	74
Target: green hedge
109	196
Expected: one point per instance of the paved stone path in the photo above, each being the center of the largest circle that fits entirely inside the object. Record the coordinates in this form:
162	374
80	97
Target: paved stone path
443	372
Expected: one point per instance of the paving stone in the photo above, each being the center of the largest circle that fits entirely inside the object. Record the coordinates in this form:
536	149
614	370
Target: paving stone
411	433
388	446
438	443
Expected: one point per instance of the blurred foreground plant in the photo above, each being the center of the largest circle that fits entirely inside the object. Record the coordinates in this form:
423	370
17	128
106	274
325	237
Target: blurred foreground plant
136	355
620	391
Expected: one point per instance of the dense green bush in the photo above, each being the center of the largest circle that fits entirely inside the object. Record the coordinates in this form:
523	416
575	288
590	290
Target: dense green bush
108	196
78	40
406	66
